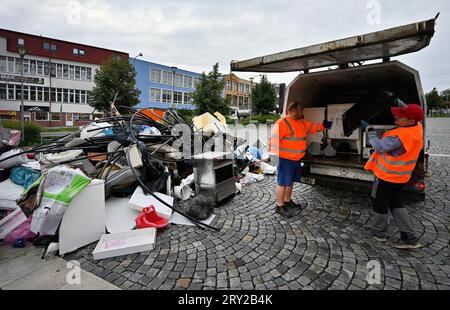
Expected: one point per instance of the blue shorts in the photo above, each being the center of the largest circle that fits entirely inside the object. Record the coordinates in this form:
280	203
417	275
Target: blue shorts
289	171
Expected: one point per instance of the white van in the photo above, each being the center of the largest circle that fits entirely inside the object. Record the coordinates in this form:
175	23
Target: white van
336	84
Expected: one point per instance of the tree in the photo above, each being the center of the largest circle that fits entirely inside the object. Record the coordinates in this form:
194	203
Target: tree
434	100
264	97
445	94
114	77
208	96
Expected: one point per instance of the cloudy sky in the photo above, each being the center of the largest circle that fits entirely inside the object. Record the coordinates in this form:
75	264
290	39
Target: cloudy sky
195	34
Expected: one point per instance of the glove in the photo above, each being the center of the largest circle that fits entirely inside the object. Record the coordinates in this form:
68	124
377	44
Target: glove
364	124
327	124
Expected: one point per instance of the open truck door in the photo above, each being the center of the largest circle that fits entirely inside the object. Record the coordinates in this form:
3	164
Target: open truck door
347	91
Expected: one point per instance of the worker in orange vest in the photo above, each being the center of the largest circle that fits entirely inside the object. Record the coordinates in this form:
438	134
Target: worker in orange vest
393	163
288	141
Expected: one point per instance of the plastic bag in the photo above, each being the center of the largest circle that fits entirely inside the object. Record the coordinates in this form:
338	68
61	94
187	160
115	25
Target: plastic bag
21	232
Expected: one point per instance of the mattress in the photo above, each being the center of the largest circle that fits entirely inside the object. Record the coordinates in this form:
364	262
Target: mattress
9	193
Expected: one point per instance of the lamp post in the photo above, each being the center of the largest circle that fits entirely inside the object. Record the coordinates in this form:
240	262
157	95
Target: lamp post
22	52
135	57
174	70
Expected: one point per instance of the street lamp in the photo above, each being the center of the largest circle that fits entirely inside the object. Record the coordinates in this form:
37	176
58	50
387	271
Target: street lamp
22	52
134	59
174	70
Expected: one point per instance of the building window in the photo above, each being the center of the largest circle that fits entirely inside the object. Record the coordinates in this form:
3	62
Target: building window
33	67
167	77
188	81
155	75
179	80
46	94
167	96
18	65
84	117
88	74
246	101
20	41
41	116
235	101
52	47
229	86
75	51
116	58
11	92
65	71
59	70
26	92
241	88
83	74
235	86
196	82
59	95
187	98
178	97
39	67
71	72
77	73
32	93
46	46
241	100
71	96
155	95
65	95
81	52
247	89
11	64
40	94
83	96
55	116
3	67
2	91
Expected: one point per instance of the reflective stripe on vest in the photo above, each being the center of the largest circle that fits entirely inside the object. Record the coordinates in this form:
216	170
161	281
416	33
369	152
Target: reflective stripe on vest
374	160
398	163
288	150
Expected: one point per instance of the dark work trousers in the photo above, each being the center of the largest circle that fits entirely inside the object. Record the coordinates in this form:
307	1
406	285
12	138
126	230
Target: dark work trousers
387	197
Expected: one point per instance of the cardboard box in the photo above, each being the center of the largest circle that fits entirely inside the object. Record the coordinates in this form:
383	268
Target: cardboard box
125	243
140	201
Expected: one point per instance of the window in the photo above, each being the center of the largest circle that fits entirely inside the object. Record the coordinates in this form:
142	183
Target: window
39	92
81	52
26	92
55	116
59	70
167	96
241	100
11	92
247	89
116	58
52	69
33	93
155	95
167	77
26	66
187	98
65	71
246	101
18	92
178	97
52	47
65	95
83	74
77	73
229	85
59	95
235	101
33	67
83	96
18	65
11	64
84	117
155	75
188	81
75	51
71	96
3	67
71	72
53	95
241	88
179	80
196	81
20	41
46	46
88	73
39	67
46	69
3	91
235	86
46	94
41	116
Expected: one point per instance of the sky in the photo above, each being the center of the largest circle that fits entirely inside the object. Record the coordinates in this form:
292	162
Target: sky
196	34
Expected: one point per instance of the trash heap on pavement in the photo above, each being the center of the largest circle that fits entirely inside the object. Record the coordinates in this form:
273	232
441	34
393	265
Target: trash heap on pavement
118	180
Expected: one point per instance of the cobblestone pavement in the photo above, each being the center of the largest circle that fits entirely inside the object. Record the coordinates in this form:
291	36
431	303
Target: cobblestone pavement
327	246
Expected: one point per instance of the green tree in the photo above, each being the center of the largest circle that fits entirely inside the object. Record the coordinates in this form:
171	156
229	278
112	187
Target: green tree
208	96
264	97
445	94
434	100
114	77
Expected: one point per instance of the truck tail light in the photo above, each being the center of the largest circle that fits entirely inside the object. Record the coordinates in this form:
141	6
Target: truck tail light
422	186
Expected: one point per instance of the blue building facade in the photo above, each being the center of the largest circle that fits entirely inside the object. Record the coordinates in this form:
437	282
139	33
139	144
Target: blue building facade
156	84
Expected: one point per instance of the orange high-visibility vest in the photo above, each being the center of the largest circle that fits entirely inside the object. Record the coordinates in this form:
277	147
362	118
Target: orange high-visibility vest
398	169
288	139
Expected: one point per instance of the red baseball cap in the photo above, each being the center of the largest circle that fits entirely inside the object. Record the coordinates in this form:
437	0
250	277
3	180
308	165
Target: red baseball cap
411	111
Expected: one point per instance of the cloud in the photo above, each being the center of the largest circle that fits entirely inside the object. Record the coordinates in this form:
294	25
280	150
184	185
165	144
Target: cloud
198	33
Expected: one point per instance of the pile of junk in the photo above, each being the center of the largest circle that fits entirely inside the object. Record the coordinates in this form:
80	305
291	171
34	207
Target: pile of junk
121	178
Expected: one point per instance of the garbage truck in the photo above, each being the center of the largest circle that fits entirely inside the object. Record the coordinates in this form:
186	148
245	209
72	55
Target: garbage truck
346	81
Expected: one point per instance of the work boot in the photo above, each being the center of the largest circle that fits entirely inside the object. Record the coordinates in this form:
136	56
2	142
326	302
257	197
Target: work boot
283	211
408	241
293	206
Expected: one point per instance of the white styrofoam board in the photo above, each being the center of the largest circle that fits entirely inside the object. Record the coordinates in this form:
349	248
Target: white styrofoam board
119	217
11	222
84	220
335	113
139	201
179	219
125	243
